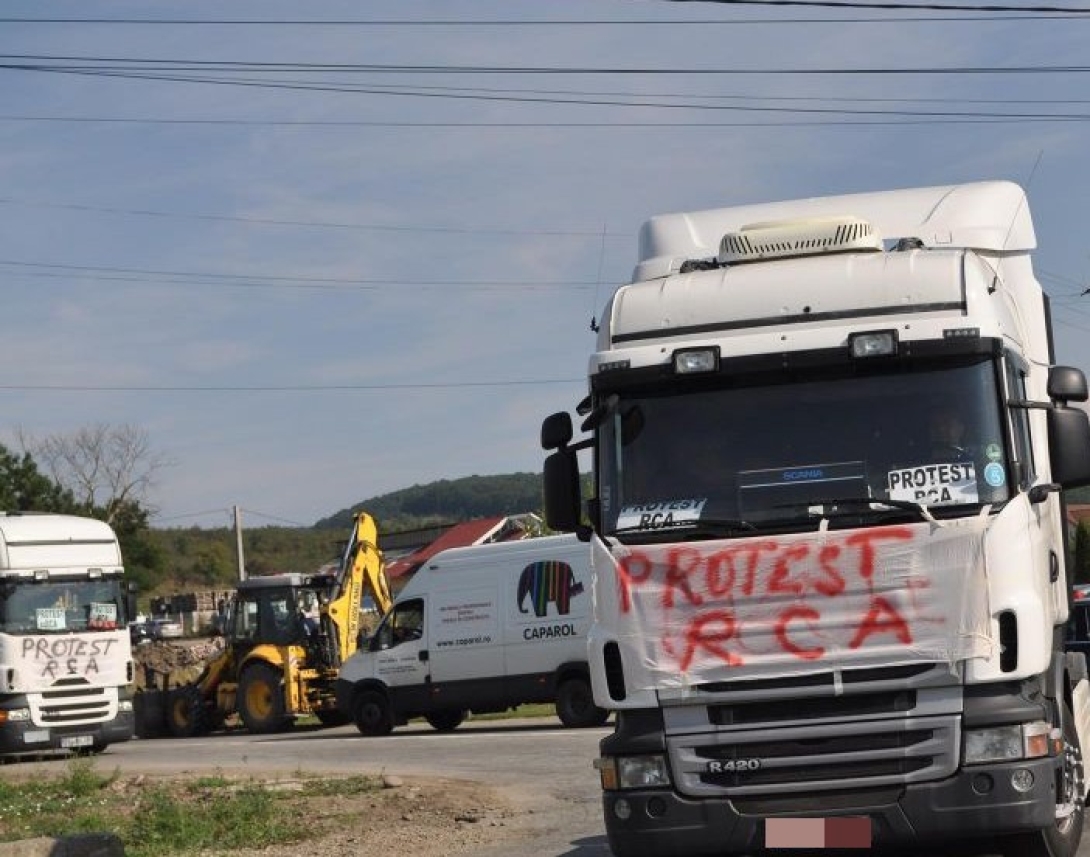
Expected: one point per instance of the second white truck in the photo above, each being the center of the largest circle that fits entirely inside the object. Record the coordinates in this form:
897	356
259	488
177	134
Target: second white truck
66	666
479	629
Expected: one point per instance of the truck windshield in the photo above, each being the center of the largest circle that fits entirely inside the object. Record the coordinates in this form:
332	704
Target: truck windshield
61	606
724	458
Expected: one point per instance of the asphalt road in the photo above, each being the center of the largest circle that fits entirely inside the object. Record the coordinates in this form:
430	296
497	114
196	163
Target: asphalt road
540	765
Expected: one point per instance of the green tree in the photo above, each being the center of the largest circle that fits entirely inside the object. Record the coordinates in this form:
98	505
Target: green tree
143	556
24	489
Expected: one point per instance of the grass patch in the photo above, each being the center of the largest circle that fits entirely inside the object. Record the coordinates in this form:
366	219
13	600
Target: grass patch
213	814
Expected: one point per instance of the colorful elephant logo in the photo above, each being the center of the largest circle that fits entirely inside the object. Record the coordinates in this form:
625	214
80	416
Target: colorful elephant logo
545	581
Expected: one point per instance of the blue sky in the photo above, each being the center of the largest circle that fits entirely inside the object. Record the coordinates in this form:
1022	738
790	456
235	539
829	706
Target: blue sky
308	296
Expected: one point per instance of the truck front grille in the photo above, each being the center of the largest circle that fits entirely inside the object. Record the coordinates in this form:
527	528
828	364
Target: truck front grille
830	756
826	733
73	702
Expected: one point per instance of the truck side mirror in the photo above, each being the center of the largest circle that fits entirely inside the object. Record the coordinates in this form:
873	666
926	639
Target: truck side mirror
562	494
556	431
1069	446
1066	384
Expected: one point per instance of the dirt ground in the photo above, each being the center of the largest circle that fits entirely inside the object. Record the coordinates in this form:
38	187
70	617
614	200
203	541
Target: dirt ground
407	817
410	818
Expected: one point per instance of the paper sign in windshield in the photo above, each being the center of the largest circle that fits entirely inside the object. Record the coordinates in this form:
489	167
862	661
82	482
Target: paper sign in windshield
103	616
935	484
50	619
654	516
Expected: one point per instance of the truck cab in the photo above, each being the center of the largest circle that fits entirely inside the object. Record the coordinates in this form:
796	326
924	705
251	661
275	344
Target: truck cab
829	444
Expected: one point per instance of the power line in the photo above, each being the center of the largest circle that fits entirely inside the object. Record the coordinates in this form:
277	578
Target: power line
873	116
37	62
189	515
230	280
976	15
276	388
857	4
316	224
269	517
954	118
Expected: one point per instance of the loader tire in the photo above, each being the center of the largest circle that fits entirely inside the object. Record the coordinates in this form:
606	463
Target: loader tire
261	699
372	714
186	714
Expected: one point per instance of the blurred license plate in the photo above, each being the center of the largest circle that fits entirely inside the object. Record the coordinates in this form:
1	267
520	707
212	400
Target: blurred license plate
77	741
840	832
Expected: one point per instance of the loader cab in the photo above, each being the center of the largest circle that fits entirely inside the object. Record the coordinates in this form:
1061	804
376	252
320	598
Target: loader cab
272	611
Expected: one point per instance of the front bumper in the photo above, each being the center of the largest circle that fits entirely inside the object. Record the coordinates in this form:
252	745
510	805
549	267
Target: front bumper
662	822
21	737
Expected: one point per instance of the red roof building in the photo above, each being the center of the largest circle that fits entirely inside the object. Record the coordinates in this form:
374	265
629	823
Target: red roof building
477	532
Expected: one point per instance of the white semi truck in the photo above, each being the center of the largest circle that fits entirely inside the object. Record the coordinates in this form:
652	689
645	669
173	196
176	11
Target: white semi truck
66	666
829	447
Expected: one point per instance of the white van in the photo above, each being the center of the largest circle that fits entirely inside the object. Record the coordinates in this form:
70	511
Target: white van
479	629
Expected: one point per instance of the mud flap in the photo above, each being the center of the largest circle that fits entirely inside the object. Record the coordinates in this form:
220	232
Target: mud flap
1080	702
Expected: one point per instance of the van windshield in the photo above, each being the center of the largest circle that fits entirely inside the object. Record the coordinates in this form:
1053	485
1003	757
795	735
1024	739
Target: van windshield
789	453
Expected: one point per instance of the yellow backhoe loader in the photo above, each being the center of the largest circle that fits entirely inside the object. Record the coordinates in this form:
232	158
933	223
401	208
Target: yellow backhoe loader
285	636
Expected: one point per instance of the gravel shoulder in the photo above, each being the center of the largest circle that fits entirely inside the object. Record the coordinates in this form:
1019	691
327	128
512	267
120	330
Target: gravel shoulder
409	816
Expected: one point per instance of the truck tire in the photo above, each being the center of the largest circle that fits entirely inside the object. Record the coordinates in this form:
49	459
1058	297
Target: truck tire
1062	839
372	714
575	704
186	714
261	699
446	720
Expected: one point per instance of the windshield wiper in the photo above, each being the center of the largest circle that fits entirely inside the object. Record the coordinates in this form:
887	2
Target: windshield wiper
905	505
703	527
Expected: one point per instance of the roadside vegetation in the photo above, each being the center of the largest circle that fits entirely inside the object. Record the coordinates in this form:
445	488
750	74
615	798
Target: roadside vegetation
214	814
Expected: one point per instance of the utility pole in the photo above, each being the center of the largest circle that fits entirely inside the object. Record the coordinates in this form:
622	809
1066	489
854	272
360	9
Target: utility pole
238	544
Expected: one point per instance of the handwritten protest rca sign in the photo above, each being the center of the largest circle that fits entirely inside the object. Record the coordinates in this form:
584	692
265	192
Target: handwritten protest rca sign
714	610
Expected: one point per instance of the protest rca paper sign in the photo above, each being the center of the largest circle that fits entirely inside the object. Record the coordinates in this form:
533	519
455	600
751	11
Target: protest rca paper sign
797	603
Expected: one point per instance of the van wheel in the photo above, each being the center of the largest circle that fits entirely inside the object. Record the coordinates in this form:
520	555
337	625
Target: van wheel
575	704
1062	838
372	714
261	699
447	720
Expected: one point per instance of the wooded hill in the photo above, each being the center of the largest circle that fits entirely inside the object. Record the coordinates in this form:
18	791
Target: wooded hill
197	559
205	558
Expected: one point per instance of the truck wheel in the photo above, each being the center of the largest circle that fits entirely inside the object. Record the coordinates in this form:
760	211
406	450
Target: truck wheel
1062	839
261	699
575	704
186	715
446	720
372	714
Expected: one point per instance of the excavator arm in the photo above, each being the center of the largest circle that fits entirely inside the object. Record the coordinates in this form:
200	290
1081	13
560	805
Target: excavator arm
362	571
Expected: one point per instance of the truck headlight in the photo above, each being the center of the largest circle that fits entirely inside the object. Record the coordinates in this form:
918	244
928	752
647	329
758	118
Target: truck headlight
1007	743
632	772
15	715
